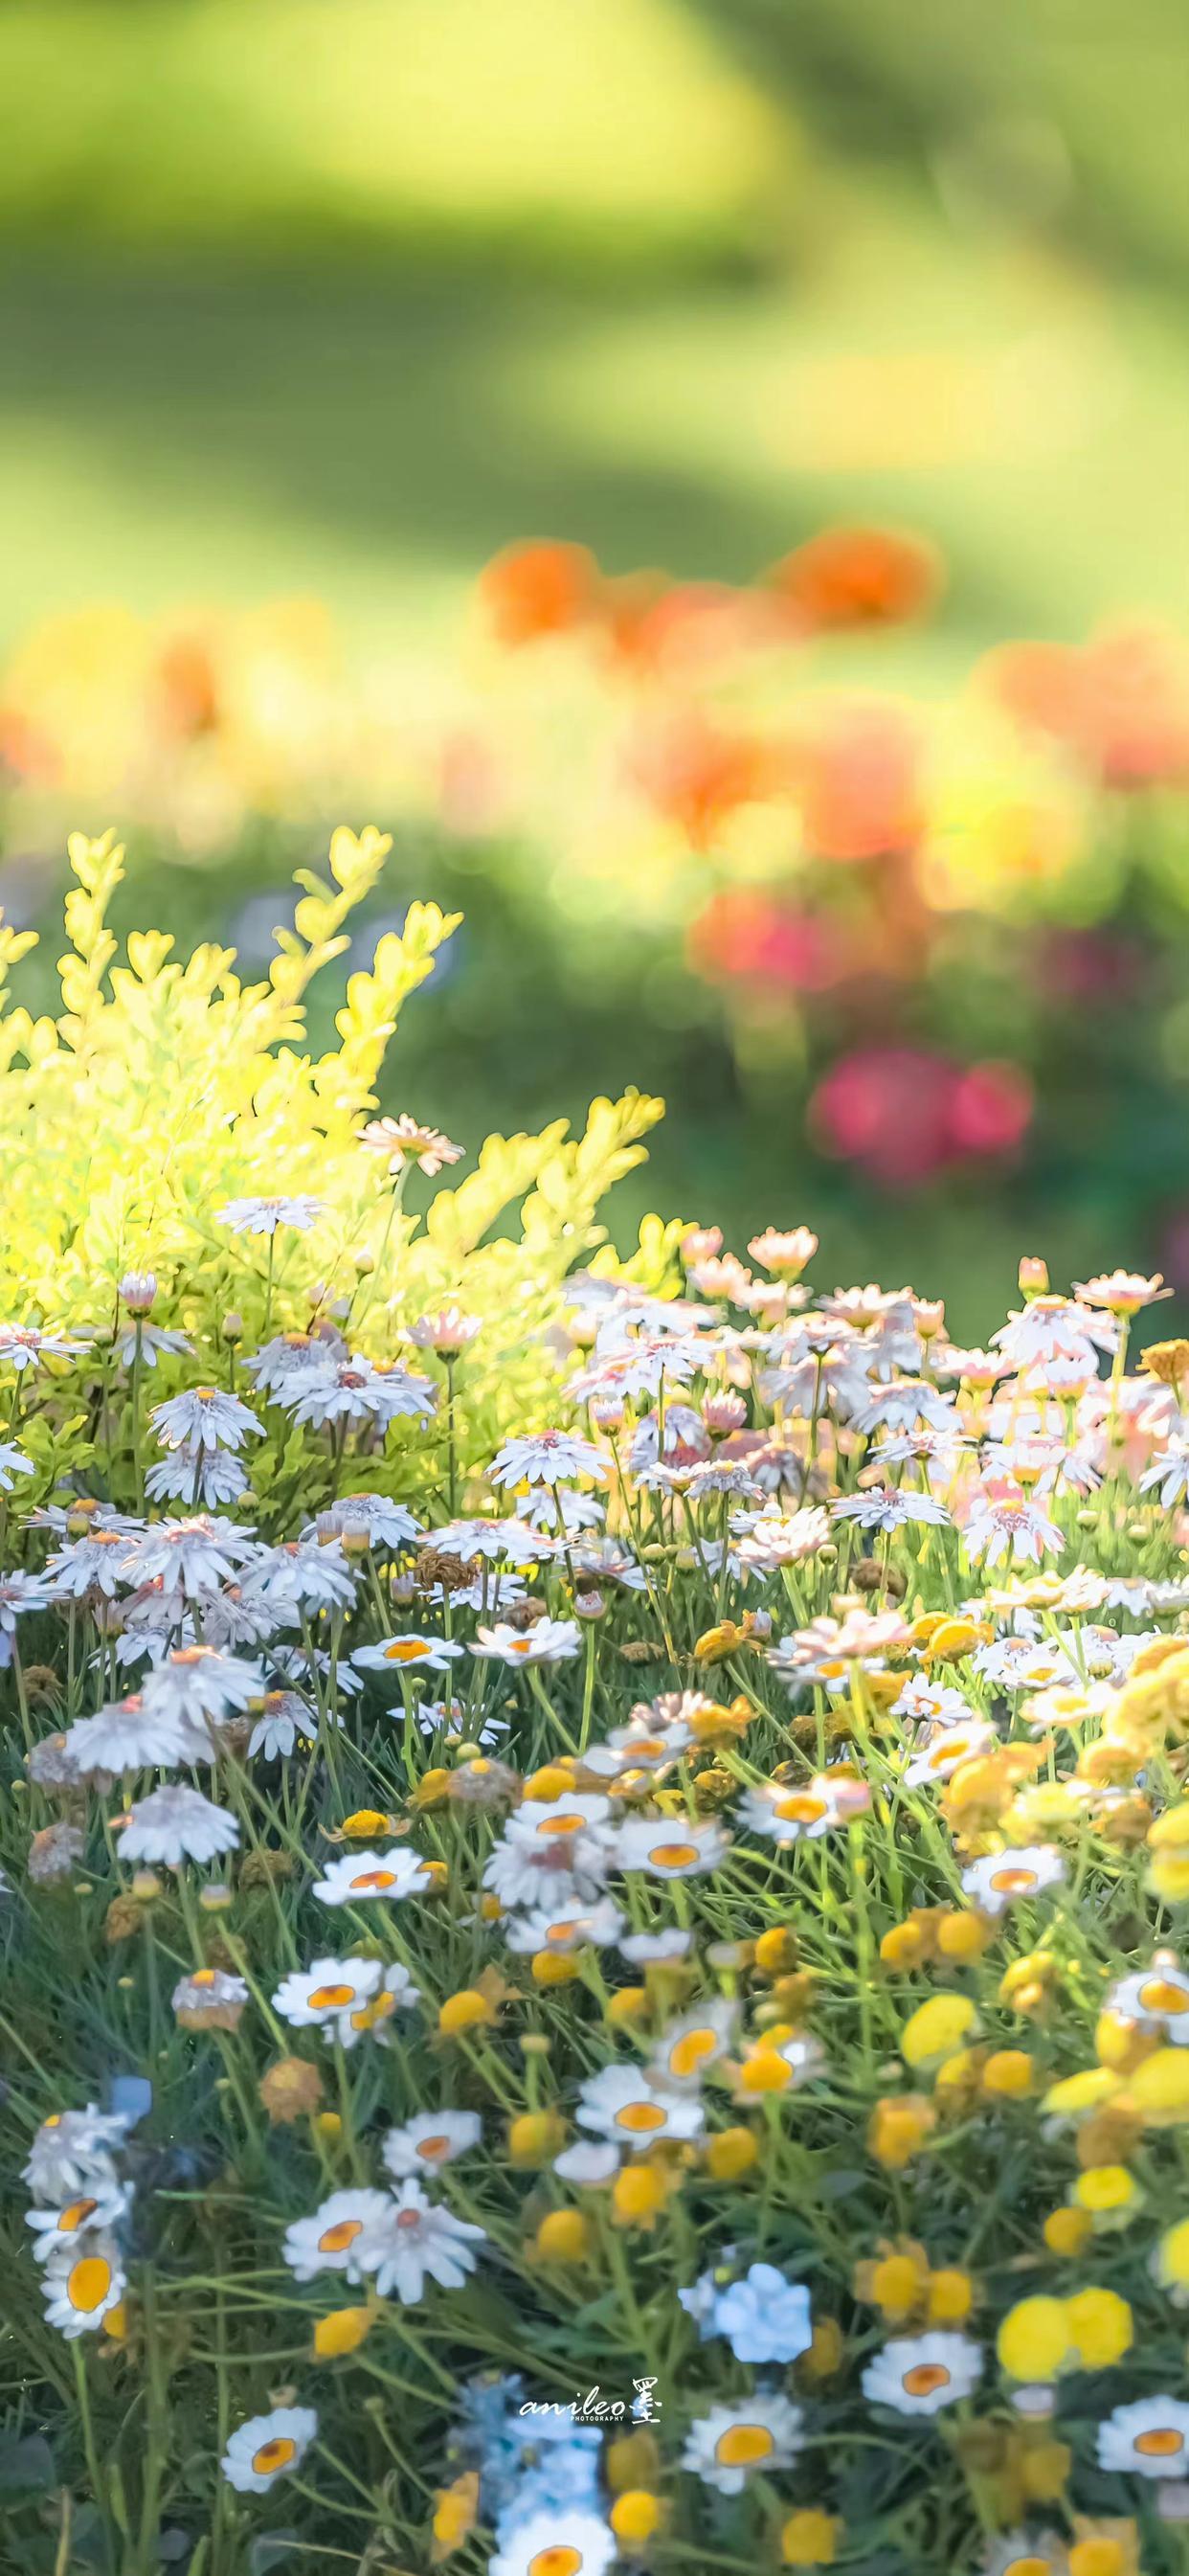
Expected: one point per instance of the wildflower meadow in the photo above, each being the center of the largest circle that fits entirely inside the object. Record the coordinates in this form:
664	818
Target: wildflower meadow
594	1844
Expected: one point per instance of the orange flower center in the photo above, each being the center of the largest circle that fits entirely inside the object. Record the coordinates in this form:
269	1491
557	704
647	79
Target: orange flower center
336	2239
89	2283
274	2455
640	2117
925	2378
1158	1995
743	2447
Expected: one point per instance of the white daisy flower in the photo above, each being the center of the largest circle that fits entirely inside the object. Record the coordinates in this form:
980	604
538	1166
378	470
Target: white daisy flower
281	1365
888	1507
194	1683
125	1736
206	1417
192	1555
1150	2437
1006	1878
547	1458
1122	1292
493	1542
1157	1999
13	1462
550	1851
791	1812
100	1562
174	1824
24	1346
330	2240
65	2227
926	1703
903	1404
768	1540
1003	1522
433	2139
418	2241
733	2443
267	2446
286	1720
550	1641
72	2151
689	2046
946	1750
365	1874
318	1996
354	1390
669	1847
574	1926
207	1476
408	1653
621	2104
81	2284
919	2374
405	1140
560	2540
311	1576
1054	1328
385	1524
264	1215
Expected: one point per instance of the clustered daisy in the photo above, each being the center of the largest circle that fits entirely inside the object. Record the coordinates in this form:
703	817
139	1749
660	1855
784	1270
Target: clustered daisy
595	1959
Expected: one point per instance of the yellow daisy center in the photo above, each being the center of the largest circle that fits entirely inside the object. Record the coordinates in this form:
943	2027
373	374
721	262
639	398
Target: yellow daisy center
925	2378
89	2283
640	2117
274	2455
744	2446
336	2239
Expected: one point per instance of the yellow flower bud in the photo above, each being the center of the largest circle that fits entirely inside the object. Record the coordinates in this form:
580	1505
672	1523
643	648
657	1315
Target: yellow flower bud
1100	2324
1106	2190
1066	2231
636	2517
936	2029
555	1968
467	2010
342	2331
1160	2088
563	2237
1008	2073
809	2539
638	2194
1034	2339
951	2297
535	2138
730	2153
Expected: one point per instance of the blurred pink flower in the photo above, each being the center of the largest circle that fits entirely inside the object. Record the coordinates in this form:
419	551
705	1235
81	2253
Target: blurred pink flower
904	1115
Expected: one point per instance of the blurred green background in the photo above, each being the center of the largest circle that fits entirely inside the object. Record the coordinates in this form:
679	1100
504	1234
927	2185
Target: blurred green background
335	298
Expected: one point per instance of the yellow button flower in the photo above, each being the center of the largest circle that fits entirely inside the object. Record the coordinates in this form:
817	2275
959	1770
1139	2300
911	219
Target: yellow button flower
1100	2325
936	2029
1034	2339
1160	2088
809	2539
1106	2191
